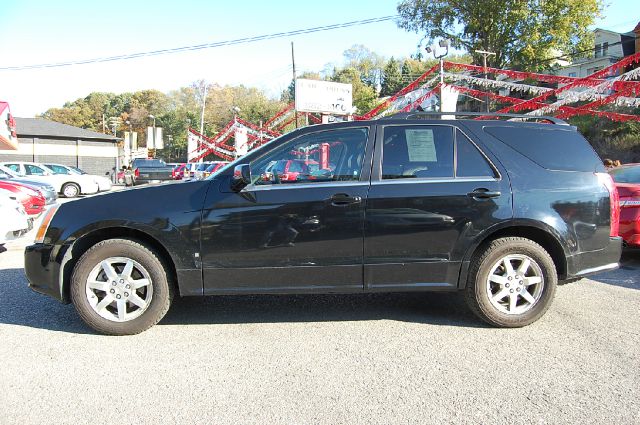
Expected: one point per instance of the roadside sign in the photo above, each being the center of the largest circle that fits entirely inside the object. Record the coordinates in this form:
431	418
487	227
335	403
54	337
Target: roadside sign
324	97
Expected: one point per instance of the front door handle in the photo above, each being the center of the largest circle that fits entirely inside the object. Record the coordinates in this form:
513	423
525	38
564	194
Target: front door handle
483	193
342	199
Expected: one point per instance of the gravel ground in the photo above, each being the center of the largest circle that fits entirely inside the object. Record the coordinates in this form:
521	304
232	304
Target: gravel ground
356	359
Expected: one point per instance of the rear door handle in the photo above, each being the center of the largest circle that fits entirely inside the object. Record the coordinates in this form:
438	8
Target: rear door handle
484	194
342	199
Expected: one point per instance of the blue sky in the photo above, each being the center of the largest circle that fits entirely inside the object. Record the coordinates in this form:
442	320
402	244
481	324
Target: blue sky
46	31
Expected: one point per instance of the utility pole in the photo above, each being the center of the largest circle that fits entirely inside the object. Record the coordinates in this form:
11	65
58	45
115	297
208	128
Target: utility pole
204	102
484	54
293	61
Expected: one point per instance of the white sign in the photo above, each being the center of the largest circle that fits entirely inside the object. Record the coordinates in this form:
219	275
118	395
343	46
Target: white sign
421	146
154	142
324	96
241	141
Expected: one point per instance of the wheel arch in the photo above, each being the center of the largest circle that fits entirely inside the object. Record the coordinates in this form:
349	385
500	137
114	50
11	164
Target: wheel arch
82	244
540	234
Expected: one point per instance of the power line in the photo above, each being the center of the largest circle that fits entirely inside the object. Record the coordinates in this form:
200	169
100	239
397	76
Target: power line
201	46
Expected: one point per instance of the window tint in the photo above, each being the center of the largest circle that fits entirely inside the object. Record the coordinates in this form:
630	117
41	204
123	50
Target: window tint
417	152
470	162
13	167
57	169
32	170
550	146
331	155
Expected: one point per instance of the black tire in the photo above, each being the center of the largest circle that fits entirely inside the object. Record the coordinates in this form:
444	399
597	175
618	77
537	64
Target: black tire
479	286
70	190
160	297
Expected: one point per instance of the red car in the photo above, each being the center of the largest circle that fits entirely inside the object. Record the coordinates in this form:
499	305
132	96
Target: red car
178	171
288	170
627	179
32	200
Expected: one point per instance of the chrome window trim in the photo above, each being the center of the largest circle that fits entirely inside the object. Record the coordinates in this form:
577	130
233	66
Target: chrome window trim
433	180
256	188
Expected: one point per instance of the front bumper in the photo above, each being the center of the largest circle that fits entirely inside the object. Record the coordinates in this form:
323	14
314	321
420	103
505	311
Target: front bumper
43	272
587	263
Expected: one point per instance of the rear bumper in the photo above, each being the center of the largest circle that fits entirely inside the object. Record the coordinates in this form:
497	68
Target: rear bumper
587	263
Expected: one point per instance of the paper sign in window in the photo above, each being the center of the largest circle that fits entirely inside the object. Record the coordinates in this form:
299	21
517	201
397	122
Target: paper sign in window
421	146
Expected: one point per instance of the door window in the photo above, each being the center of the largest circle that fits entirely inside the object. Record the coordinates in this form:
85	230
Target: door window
33	170
332	155
419	151
13	167
58	169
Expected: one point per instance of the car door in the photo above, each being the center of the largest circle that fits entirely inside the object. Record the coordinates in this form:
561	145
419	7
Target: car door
432	191
282	235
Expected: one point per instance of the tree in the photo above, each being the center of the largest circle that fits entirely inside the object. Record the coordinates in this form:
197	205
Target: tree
524	34
368	64
391	78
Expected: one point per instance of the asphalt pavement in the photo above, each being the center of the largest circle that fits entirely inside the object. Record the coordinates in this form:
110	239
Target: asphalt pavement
334	359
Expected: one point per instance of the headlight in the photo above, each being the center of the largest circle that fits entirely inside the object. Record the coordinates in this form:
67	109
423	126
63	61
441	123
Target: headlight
44	225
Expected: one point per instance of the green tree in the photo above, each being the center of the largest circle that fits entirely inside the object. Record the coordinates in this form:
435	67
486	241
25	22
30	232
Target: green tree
524	34
391	78
364	96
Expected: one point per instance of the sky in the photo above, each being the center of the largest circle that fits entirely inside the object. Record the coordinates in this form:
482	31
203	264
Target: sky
52	31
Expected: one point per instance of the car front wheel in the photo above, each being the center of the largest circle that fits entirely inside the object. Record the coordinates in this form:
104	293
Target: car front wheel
70	190
120	287
512	282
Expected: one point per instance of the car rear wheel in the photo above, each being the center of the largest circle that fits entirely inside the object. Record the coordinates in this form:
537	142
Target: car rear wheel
120	287
70	190
512	282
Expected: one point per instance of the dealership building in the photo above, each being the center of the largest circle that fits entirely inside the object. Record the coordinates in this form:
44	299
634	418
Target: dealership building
40	140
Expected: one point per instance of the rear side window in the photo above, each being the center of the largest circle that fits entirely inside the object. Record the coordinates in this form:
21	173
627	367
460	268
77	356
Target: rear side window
470	162
553	148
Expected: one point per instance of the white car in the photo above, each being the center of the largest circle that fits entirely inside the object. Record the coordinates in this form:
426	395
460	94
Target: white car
15	221
68	185
103	182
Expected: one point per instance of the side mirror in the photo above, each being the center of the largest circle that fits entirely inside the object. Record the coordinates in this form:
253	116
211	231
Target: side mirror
241	177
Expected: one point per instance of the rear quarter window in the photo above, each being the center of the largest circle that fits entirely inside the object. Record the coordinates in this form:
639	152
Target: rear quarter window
550	147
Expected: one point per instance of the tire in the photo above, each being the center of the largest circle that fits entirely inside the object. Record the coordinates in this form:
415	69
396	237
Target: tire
500	293
70	190
126	297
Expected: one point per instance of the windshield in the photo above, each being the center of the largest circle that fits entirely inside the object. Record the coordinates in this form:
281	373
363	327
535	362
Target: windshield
8	171
76	170
148	163
626	174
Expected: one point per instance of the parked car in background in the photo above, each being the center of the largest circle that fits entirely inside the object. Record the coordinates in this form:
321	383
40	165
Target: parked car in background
178	171
498	210
15	222
103	182
215	166
46	189
627	179
189	170
198	174
68	185
30	198
150	170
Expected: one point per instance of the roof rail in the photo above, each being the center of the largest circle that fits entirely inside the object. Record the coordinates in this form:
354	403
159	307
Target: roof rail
487	115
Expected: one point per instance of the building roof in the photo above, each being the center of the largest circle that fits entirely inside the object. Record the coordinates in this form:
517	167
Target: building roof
42	127
637	28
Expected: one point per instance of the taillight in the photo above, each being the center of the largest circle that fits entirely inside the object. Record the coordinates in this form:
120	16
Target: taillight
137	172
614	201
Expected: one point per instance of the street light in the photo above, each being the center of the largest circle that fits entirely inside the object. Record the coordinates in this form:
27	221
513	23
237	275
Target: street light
444	43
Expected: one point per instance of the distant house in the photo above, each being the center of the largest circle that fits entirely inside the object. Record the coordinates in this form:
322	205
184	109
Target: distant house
41	140
609	48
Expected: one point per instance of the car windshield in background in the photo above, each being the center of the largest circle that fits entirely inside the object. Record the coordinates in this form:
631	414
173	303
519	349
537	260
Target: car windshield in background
76	170
149	163
626	174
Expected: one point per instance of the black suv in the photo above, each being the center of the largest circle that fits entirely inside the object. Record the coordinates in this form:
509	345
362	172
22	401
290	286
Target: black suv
499	207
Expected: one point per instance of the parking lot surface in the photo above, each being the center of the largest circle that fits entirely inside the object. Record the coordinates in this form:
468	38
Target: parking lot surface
381	359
